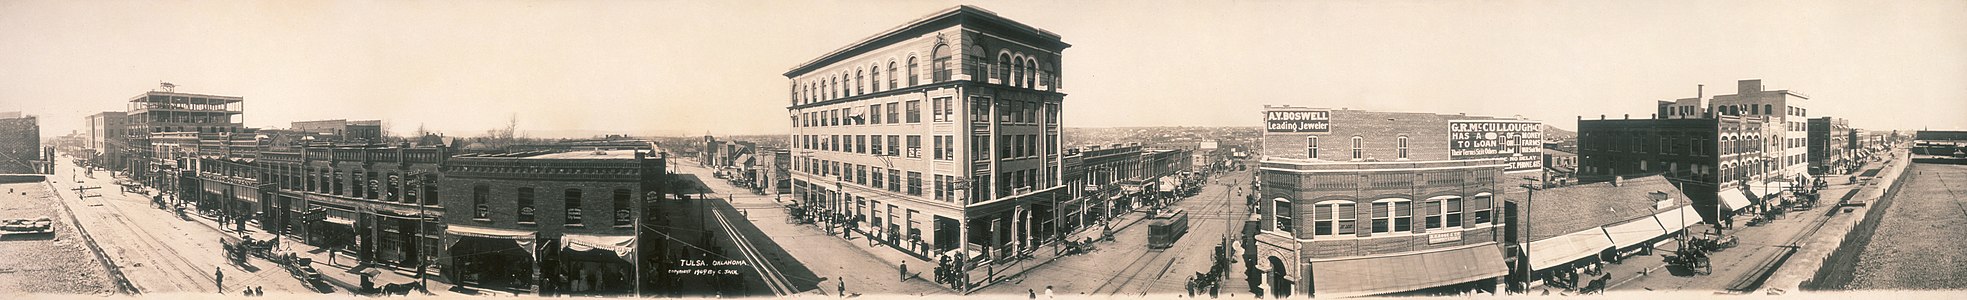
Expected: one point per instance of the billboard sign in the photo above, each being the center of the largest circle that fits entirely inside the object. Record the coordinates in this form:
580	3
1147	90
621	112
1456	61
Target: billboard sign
1298	121
1520	143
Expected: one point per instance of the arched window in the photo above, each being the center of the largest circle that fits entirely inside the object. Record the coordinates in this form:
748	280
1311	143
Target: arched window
1313	146
912	77
1771	109
1479	208
892	75
1031	69
1333	217
860	82
939	63
1017	72
1357	151
1403	147
1003	68
875	77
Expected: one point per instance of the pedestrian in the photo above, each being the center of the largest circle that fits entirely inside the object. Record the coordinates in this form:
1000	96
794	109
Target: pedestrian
904	269
1048	292
841	286
1030	294
218	277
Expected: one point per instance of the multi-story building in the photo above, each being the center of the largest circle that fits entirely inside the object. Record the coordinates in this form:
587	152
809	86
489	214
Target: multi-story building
1093	178
1830	145
1785	128
1372	203
160	112
1713	159
367	131
108	136
942	133
537	210
20	143
380	202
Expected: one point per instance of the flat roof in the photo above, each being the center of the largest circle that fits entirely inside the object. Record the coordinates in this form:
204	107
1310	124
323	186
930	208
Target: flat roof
588	154
838	54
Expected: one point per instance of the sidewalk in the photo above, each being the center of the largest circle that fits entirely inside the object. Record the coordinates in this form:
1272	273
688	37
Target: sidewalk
336	271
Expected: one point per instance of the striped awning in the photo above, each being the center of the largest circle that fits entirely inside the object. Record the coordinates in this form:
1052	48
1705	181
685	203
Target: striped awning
1381	274
1634	232
1566	248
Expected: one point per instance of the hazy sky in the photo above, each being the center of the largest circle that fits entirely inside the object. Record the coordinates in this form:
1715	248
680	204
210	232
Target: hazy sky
462	67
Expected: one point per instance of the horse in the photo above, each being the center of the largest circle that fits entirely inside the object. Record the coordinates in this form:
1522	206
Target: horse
401	289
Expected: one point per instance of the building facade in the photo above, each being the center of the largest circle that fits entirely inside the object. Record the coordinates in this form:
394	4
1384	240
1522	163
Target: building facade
20	144
1831	146
1356	203
368	131
536	216
108	135
381	203
1714	159
1785	128
935	136
173	120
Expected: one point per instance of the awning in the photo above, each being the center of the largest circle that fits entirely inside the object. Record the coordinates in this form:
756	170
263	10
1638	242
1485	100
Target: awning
1675	220
1566	248
525	239
1373	275
483	232
1634	232
339	220
621	245
1734	199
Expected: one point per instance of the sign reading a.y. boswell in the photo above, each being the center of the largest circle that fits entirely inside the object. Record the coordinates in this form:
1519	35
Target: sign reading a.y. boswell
1298	121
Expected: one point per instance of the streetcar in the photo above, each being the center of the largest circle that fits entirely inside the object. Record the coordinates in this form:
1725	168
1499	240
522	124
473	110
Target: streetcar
1164	228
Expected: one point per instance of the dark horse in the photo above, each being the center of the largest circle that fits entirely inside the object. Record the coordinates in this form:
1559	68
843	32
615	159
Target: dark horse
401	289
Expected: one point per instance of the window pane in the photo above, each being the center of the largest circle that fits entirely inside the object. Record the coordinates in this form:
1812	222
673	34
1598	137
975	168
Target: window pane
1345	212
1403	209
1323	212
1379	225
1380	210
1346	227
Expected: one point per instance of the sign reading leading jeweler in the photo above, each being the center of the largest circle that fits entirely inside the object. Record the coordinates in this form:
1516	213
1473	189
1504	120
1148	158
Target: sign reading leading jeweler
1519	142
1298	121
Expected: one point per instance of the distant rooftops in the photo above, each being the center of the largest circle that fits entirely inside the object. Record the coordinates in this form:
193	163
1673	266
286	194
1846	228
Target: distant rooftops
560	154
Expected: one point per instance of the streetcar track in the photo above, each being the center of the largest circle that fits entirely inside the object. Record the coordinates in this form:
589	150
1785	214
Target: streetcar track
1133	270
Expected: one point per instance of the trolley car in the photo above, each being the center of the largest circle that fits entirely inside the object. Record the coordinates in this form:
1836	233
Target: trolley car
1165	228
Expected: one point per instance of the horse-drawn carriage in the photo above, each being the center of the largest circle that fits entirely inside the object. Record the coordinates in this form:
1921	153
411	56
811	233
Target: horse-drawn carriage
238	248
1693	254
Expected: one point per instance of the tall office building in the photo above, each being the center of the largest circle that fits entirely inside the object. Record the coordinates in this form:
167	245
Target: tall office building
1786	127
937	135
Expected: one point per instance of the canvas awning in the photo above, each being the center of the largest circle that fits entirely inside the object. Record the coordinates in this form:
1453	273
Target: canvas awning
1734	200
621	245
525	239
339	220
1566	248
1678	219
1381	274
1634	232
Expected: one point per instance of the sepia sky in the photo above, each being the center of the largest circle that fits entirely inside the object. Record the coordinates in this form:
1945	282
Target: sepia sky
690	67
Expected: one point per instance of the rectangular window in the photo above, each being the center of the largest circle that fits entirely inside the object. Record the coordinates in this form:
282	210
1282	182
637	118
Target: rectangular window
1403	216
1454	212
949	147
949	109
1478	209
894	112
1382	217
874	113
894	145
1313	148
525	201
914	111
938	148
877	178
936	109
574	208
860	174
877	146
624	211
894	180
1346	218
1403	147
481	210
860	144
939	187
914	146
1357	142
980	147
915	183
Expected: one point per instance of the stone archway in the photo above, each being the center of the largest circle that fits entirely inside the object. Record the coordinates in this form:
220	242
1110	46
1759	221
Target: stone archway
1278	282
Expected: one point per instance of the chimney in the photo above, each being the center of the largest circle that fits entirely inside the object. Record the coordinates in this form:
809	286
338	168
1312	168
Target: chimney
1699	91
1628	116
1618	180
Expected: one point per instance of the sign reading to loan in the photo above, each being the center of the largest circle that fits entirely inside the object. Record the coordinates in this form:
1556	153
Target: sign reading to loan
1298	121
1520	143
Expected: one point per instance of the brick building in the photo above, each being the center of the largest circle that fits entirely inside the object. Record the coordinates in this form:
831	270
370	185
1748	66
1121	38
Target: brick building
108	135
1785	128
368	131
379	202
1712	159
935	136
20	143
534	215
175	118
1831	146
1356	203
1093	178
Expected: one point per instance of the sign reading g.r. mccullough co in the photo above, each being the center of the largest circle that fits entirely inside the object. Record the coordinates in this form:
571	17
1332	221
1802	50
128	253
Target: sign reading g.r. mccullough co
1520	143
1298	121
